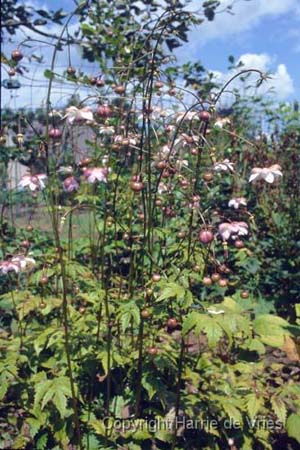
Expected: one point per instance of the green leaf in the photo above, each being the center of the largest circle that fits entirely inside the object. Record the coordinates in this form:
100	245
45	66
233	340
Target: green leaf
253	403
279	408
152	385
231	305
233	413
293	426
140	431
20	443
48	395
172	290
213	331
60	402
256	346
40	390
48	74
127	313
297	309
100	428
41	443
163	433
102	356
250	264
270	328
34	425
192	319
3	385
87	30
268	319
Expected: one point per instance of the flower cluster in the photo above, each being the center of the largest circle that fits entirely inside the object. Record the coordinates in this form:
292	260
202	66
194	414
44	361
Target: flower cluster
17	264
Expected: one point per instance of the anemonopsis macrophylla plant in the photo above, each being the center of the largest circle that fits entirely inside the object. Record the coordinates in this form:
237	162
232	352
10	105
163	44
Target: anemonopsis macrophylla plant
143	315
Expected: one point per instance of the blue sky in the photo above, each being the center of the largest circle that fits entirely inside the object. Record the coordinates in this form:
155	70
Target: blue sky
264	34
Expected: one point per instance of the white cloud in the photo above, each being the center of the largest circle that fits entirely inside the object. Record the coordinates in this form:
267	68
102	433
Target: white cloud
245	15
280	83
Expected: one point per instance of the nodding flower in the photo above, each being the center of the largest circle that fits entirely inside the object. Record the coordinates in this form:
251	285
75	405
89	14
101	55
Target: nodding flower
236	202
268	174
70	184
94	174
17	264
33	182
232	230
224	166
74	114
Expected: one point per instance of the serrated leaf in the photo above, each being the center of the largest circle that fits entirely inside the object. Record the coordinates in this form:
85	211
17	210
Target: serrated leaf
270	319
20	443
127	313
34	425
48	395
212	330
232	412
253	404
231	305
293	426
42	442
172	290
3	385
60	402
192	319
40	389
279	408
271	329
100	428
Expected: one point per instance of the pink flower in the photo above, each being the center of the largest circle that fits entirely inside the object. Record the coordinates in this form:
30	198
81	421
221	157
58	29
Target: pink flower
74	114
9	266
18	263
70	184
33	182
269	174
232	230
94	174
237	202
